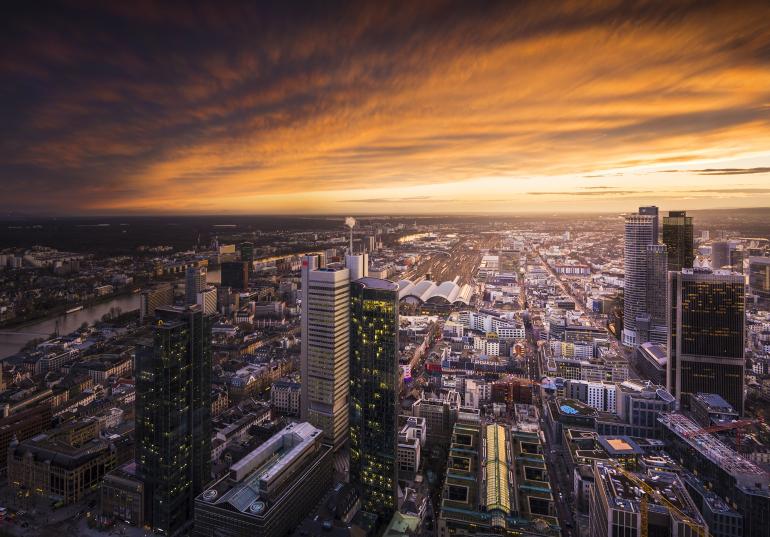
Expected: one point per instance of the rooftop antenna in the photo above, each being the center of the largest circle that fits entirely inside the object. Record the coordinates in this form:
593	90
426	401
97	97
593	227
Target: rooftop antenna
351	223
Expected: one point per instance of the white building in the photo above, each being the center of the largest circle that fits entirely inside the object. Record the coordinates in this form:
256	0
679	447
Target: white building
411	439
285	397
207	300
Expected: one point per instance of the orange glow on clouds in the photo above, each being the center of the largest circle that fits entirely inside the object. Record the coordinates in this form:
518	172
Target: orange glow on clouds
521	110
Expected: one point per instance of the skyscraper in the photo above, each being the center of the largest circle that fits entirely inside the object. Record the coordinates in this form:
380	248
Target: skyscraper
195	282
325	354
652	210
720	254
173	416
657	262
706	329
640	232
235	274
247	252
678	238
759	276
374	386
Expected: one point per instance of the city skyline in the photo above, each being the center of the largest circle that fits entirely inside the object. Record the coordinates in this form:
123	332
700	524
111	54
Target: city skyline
380	108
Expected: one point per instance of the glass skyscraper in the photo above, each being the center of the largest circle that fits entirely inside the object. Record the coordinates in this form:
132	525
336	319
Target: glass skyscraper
173	416
374	387
706	330
678	238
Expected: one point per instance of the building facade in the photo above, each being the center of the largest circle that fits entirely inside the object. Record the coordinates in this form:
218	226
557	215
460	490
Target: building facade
173	416
195	282
640	232
325	352
157	296
706	332
270	490
678	238
235	274
63	464
374	389
759	277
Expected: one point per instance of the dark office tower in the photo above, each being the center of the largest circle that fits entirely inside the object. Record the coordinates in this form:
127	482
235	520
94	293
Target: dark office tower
706	329
652	211
247	252
656	292
678	237
720	255
639	234
374	386
173	416
195	282
235	274
759	277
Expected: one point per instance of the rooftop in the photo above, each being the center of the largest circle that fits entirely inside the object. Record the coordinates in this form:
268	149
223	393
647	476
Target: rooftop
248	487
712	448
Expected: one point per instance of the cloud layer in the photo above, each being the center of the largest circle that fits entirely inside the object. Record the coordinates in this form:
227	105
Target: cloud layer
146	107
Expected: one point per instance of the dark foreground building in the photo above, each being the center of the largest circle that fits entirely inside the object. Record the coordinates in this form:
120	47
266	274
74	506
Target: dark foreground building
374	386
269	491
706	328
173	417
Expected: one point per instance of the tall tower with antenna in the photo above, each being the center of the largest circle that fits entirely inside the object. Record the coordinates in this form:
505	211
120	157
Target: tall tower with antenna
351	223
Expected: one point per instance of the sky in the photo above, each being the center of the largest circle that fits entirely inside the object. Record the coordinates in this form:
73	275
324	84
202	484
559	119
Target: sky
383	107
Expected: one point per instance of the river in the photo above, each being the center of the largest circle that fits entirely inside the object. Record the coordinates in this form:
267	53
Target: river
13	339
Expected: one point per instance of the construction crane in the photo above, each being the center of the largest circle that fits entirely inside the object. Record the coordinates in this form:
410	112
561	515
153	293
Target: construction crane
698	529
738	425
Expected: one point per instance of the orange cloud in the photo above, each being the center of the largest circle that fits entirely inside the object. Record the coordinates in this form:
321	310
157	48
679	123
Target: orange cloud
280	112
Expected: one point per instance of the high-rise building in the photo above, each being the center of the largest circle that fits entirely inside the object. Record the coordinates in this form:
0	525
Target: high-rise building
247	252
374	387
195	282
678	238
173	416
640	232
235	274
652	211
759	277
325	353
706	330
155	297
207	300
657	263
720	255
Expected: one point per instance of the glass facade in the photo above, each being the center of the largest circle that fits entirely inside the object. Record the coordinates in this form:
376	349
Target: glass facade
759	276
374	387
706	335
173	416
678	238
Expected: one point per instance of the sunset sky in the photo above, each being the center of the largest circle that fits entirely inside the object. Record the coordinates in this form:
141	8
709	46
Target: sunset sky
377	107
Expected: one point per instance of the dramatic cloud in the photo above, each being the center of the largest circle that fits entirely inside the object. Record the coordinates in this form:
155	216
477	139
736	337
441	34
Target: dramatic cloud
725	171
280	107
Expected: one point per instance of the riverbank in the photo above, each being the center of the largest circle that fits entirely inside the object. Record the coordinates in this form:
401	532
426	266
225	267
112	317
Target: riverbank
58	311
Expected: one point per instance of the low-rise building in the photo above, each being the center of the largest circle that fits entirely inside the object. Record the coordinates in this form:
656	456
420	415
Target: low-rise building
63	463
285	397
617	508
270	490
411	439
122	495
